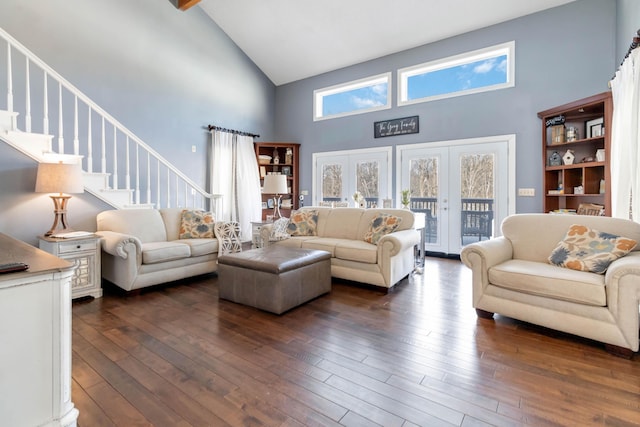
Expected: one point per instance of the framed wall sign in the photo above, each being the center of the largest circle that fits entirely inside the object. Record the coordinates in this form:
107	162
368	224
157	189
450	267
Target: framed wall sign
393	127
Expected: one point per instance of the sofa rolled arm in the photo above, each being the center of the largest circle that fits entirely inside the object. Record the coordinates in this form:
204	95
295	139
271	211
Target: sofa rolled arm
622	284
114	243
622	280
398	241
491	252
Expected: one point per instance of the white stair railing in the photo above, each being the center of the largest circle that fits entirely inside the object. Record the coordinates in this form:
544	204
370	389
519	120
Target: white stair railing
143	167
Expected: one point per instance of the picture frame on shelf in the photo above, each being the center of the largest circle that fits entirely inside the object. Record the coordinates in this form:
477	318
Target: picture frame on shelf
264	205
594	128
270	204
286	170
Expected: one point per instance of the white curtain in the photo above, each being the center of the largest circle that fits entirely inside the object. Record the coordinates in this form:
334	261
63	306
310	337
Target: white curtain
234	174
625	154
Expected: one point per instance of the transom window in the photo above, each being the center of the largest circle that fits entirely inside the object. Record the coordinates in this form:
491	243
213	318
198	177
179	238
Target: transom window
471	72
356	97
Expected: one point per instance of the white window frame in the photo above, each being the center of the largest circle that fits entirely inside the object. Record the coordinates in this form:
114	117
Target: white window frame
453	61
319	94
352	157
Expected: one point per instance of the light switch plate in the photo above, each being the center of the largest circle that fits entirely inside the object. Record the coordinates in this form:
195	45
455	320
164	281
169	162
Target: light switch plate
526	192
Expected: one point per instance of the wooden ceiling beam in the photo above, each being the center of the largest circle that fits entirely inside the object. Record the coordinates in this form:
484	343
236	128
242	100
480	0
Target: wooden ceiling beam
186	4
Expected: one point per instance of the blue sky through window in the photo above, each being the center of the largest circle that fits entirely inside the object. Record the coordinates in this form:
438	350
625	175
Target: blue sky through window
459	78
355	99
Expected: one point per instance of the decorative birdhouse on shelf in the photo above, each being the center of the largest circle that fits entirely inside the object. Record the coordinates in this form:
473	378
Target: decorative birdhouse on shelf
568	157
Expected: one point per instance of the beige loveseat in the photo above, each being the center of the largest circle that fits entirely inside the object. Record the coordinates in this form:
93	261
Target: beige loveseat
511	276
340	231
141	247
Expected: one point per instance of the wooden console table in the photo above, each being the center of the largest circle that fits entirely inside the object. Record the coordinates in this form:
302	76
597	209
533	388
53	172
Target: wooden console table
35	328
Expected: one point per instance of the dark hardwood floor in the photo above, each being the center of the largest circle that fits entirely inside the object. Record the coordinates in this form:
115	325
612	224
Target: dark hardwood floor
417	356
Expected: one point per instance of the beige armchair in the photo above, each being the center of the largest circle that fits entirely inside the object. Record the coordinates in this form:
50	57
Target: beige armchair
511	276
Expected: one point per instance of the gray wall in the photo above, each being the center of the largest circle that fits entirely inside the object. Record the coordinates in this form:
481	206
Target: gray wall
161	72
628	23
562	54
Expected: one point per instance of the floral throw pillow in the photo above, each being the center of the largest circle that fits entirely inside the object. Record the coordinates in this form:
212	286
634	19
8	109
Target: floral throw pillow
590	250
279	230
303	223
381	225
196	224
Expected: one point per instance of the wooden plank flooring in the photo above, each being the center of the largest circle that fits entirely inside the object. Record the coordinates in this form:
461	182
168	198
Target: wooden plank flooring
417	356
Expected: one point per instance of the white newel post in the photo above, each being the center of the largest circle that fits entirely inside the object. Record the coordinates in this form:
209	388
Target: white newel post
45	107
89	144
60	121
27	116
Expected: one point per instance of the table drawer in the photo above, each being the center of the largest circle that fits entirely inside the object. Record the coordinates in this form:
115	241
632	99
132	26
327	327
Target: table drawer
67	247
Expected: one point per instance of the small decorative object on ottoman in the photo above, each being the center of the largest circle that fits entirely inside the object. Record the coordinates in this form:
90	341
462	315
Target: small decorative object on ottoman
274	279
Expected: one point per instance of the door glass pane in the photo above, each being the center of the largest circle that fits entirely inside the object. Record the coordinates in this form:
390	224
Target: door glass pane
477	197
367	174
331	182
423	187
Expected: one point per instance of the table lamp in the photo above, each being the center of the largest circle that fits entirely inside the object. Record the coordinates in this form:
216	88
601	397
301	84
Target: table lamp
277	185
59	178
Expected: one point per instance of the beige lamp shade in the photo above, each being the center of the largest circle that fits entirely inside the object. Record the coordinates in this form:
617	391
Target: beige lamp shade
59	178
275	184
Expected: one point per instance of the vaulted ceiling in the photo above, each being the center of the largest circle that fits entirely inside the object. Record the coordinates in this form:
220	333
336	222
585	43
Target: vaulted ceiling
293	39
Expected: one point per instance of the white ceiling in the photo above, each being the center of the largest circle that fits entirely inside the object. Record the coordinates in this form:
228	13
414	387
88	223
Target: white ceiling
293	39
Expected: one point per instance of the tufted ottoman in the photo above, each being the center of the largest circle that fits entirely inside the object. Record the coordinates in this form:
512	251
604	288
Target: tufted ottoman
274	279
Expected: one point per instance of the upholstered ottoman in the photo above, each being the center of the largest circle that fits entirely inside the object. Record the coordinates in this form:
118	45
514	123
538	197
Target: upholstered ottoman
274	279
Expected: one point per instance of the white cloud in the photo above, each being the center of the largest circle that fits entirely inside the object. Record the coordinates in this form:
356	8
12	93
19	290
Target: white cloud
375	96
485	67
359	102
380	89
502	66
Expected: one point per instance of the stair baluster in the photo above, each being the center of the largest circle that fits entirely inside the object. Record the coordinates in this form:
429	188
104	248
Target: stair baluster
36	142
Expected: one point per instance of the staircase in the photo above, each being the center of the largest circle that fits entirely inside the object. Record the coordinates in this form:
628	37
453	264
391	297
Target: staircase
119	168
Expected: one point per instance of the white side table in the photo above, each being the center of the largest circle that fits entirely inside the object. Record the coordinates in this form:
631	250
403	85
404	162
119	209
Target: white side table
419	223
84	252
256	240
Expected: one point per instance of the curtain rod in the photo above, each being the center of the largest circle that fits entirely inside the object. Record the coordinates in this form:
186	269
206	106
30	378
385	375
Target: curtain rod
237	132
634	44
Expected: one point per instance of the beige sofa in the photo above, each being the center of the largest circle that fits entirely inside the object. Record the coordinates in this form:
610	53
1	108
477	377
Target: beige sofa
511	276
340	231
140	247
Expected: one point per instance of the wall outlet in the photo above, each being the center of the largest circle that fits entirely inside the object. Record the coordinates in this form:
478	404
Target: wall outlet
193	148
526	192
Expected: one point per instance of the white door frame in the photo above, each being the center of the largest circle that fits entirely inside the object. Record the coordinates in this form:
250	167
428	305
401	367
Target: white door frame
509	139
358	154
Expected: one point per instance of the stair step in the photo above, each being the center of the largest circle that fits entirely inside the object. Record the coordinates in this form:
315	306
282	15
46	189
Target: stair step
52	157
34	145
7	121
96	180
119	197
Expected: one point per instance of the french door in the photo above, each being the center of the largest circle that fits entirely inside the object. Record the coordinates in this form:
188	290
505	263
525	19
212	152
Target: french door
464	187
337	175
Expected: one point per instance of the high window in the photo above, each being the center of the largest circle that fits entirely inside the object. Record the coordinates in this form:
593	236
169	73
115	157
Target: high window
356	97
471	72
